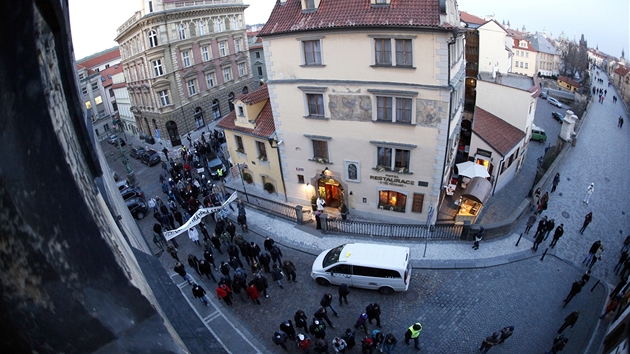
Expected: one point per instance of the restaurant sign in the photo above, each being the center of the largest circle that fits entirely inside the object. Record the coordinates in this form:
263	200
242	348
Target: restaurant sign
393	180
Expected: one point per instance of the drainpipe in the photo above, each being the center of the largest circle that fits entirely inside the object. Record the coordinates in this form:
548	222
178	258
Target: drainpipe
494	187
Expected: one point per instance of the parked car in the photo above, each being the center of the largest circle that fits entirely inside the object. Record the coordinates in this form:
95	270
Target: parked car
538	134
137	152
137	207
119	141
123	184
557	116
131	192
543	95
214	165
149	139
151	157
554	102
112	138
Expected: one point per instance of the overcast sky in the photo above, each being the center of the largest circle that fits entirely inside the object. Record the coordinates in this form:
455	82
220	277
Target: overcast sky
605	24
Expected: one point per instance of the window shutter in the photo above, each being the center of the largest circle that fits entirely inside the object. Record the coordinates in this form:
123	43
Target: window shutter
418	200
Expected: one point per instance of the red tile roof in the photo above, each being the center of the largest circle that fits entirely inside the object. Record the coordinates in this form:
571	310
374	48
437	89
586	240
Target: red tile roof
100	59
109	72
622	70
569	81
264	125
518	39
499	134
468	18
333	14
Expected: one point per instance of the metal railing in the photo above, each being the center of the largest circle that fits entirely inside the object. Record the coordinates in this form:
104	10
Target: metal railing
267	205
437	232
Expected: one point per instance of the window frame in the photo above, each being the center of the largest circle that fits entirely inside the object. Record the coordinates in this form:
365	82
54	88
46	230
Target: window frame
385	51
181	29
211	76
192	88
238	140
153	39
241	69
186	58
227	74
317	148
262	153
237	45
392	158
315	58
164	99
309	96
205	53
259	70
394	111
404	53
201	28
223	50
157	68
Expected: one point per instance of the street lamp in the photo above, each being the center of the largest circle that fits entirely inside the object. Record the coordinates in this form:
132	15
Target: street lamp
272	140
125	160
240	172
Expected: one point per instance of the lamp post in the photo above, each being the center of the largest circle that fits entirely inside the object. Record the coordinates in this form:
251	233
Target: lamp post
131	177
240	172
272	140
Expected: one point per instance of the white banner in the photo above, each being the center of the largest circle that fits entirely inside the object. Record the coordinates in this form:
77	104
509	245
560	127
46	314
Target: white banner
196	219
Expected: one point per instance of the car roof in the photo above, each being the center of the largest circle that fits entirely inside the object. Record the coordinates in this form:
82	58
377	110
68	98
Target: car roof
375	255
150	151
135	200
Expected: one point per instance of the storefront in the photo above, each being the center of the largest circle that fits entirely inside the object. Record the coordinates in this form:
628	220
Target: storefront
472	200
331	191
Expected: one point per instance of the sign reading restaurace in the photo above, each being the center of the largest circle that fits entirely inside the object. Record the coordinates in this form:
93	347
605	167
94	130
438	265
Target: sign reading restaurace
393	180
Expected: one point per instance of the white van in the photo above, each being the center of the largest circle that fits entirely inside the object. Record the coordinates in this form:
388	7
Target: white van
363	265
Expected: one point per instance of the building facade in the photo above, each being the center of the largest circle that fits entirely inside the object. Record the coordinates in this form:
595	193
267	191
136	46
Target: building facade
257	57
184	63
125	116
376	130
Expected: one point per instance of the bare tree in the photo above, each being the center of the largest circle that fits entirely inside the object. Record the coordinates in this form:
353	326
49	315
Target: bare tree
574	59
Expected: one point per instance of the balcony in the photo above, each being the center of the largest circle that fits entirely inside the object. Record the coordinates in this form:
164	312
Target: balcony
135	18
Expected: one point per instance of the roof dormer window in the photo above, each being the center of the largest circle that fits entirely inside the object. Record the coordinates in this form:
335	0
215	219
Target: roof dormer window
523	44
310	5
380	3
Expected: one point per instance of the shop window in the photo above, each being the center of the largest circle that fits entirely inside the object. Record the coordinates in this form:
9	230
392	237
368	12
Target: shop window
392	200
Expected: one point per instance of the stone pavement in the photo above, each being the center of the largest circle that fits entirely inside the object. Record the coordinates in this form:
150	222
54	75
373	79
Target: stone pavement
460	295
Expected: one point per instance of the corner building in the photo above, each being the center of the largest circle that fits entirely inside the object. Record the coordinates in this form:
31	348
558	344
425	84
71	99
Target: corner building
367	96
184	62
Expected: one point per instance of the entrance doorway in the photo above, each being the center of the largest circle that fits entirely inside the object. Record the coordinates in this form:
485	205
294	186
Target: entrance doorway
331	191
173	133
199	118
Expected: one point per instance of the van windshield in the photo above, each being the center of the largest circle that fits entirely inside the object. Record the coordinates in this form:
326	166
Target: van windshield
332	256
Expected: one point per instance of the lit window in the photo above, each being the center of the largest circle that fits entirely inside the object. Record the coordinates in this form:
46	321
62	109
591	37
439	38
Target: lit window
98	100
192	90
205	53
227	75
164	98
392	200
186	57
88	104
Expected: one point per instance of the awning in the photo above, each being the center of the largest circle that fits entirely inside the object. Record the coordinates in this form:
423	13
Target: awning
478	190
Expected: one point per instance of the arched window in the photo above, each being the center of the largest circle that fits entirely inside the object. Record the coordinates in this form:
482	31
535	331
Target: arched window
245	90
227	24
202	27
153	40
230	100
182	31
191	28
216	110
219	25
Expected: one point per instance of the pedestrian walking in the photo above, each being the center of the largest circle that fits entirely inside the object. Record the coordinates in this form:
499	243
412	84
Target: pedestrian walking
239	287
261	284
232	251
586	276
321	346
173	252
205	269
544	200
280	338
620	123
303	343
413	332
589	191
390	343
373	311
349	337
252	293
612	306
265	261
556	181
362	322
224	268
268	244
506	332
276	254
478	238
276	275
569	321
542	226
591	252
225	293
193	262
367	345
326	301
321	315
301	321
587	220
318	329
254	249
216	242
559	342
576	287
287	327
531	221
556	235
622	260
539	239
200	293
597	256
209	257
377	339
489	342
339	345
344	290
549	227
289	270
535	199
179	269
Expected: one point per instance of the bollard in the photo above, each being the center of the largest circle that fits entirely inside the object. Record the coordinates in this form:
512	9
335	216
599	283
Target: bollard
519	240
544	253
298	215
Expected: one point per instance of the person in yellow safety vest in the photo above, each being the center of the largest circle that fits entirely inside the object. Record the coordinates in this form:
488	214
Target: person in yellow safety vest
413	332
220	173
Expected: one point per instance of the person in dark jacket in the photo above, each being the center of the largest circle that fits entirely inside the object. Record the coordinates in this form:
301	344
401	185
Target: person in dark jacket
193	262
362	322
587	220
321	346
349	337
506	332
279	338
490	342
531	221
239	287
556	235
540	236
559	342
326	301
318	328
576	287
321	315
179	269
287	327
570	320
265	261
205	269
549	227
301	321
542	226
276	254
245	248
254	250
289	270
234	263
209	257
216	242
373	311
268	244
225	268
276	275
230	228
261	284
344	290
200	293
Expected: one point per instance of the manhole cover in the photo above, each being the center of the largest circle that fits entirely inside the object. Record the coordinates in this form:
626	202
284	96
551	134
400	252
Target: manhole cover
560	194
412	295
566	215
606	179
